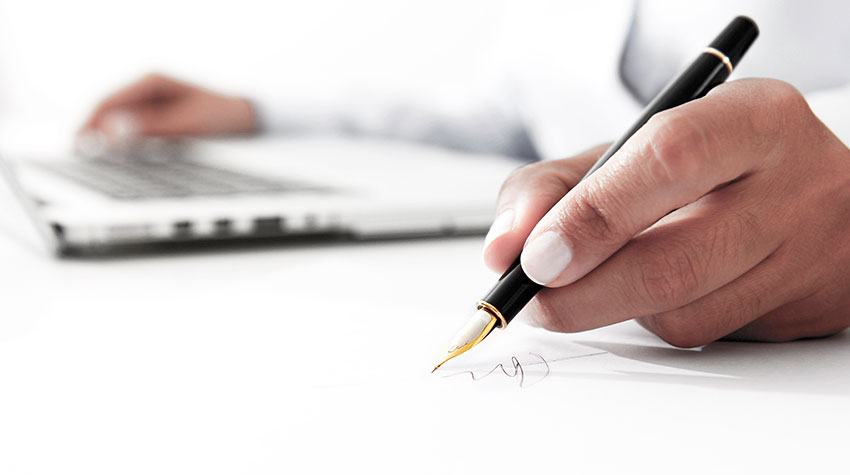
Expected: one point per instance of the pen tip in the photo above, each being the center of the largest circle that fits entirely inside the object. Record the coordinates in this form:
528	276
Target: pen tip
474	331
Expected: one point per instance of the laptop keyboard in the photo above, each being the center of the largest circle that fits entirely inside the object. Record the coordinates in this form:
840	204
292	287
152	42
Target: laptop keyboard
139	179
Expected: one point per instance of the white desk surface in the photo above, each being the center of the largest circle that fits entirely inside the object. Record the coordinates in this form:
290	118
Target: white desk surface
316	359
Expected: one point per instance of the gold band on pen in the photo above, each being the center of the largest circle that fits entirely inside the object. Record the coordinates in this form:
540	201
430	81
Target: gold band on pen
720	55
489	308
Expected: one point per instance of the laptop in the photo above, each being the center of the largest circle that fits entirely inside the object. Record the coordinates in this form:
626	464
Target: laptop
249	189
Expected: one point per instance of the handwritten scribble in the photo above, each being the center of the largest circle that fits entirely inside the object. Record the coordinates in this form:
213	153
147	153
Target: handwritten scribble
516	369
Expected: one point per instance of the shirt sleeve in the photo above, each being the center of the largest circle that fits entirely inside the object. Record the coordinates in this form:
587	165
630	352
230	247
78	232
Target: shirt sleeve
471	116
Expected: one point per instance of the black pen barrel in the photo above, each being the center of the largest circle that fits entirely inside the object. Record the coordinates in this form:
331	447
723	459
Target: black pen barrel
512	292
712	67
736	39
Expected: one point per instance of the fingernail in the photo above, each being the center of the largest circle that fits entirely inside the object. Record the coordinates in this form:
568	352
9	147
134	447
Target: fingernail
501	225
546	257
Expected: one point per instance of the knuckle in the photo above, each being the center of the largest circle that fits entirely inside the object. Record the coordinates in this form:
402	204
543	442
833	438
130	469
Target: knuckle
518	177
724	239
745	223
676	147
784	95
527	177
677	331
516	180
781	108
591	219
538	181
670	278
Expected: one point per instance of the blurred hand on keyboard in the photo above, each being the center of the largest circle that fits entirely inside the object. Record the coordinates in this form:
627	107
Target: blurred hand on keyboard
159	106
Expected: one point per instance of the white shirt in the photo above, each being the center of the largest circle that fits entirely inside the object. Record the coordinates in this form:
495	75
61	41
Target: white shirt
555	83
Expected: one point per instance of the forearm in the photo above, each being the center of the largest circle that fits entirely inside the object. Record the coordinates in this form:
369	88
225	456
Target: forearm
477	122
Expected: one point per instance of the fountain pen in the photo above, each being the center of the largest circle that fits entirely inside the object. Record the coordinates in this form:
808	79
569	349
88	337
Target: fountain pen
514	289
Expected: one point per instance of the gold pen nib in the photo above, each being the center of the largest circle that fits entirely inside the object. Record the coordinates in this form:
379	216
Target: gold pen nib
478	327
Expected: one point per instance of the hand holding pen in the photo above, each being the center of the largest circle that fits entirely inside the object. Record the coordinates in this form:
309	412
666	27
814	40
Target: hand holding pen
709	223
727	216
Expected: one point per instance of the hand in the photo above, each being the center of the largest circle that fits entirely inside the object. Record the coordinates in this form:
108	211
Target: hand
160	106
728	216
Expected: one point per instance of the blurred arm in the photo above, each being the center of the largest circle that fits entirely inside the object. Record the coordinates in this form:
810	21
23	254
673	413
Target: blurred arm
482	120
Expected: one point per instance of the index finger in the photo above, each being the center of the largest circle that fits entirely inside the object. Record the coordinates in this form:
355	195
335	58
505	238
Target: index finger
525	197
677	157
